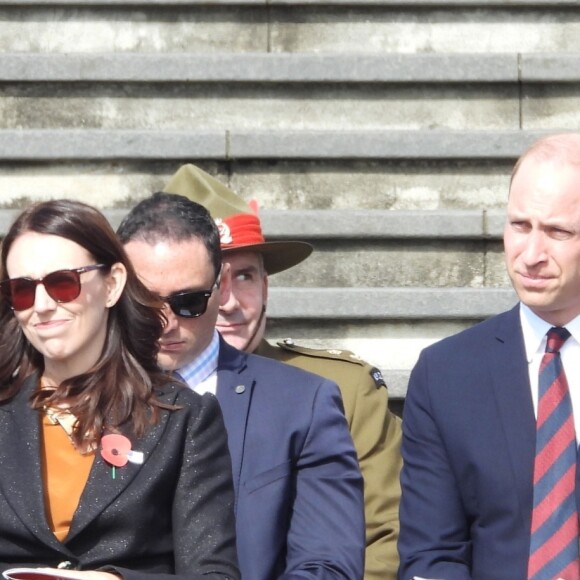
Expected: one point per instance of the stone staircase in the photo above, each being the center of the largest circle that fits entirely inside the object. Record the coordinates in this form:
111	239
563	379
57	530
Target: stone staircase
383	131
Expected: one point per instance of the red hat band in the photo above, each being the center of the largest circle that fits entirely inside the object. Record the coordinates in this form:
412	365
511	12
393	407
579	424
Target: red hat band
242	229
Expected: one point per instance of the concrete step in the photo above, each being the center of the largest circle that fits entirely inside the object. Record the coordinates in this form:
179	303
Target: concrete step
289	92
380	249
271	68
395	170
370	107
375	225
327	184
398	141
381	224
379	304
78	144
249	107
287	26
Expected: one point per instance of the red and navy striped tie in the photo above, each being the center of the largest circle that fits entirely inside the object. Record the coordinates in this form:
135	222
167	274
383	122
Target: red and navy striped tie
554	534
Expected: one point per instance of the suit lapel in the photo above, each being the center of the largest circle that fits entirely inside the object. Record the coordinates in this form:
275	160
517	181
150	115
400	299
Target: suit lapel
20	458
234	392
102	489
22	485
511	387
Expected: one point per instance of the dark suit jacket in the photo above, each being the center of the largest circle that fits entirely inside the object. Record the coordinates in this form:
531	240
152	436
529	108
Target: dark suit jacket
376	435
468	451
170	517
299	501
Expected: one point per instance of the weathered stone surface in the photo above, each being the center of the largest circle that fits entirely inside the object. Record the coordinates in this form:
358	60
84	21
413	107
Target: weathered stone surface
403	185
495	270
551	106
110	144
195	107
268	67
378	29
126	29
388	303
298	28
326	105
384	264
399	185
104	184
386	29
371	225
393	144
564	67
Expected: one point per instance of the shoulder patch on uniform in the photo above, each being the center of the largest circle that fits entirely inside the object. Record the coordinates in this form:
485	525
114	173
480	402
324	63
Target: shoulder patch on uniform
378	378
289	345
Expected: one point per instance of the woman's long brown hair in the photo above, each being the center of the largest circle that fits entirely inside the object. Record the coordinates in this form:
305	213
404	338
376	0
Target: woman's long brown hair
118	392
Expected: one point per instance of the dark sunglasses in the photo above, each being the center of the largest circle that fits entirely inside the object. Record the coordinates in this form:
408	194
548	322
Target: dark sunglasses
191	304
61	286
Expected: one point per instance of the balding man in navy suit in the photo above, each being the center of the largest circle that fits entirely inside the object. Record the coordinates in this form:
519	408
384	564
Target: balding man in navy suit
469	501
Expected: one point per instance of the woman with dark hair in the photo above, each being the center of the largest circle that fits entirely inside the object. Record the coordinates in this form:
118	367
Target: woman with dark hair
109	467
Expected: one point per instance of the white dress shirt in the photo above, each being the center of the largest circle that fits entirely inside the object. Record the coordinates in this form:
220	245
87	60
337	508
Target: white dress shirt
534	330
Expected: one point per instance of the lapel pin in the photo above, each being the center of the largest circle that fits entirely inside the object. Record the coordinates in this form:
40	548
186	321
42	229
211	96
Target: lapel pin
116	450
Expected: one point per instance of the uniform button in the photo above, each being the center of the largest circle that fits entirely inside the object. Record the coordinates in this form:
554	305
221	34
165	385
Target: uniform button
65	565
240	389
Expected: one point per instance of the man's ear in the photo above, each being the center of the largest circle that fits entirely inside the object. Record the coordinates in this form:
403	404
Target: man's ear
115	281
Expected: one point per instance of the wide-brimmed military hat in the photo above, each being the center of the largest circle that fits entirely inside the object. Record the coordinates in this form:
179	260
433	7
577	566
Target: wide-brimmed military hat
240	228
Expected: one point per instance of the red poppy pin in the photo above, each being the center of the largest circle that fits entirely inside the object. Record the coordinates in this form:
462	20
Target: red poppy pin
116	450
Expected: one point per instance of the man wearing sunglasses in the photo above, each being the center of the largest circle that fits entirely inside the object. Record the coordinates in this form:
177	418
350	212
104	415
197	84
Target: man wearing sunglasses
242	322
299	499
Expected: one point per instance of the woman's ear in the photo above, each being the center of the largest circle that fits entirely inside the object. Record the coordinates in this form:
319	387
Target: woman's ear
115	281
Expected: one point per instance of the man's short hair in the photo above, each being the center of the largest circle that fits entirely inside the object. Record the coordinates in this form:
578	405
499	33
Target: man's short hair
172	218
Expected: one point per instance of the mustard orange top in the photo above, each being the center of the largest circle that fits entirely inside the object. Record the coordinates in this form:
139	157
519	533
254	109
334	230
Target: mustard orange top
65	472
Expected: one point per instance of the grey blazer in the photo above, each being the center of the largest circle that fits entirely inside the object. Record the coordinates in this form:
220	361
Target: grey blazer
171	517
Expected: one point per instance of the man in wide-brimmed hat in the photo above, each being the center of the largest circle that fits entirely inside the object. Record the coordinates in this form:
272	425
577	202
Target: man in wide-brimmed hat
242	322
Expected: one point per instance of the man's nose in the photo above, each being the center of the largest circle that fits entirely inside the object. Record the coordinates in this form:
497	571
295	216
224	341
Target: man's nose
172	321
535	248
231	304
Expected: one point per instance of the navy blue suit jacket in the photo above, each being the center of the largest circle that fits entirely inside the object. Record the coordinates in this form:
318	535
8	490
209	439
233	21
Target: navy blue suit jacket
469	436
299	499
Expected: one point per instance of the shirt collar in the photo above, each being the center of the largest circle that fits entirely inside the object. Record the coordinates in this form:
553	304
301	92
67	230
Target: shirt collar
204	365
535	329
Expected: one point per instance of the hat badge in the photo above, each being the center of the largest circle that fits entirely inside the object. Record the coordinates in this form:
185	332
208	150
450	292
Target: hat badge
224	231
